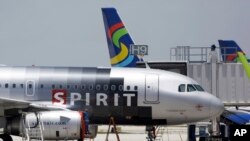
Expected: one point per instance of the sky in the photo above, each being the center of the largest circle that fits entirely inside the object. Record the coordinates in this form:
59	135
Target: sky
71	32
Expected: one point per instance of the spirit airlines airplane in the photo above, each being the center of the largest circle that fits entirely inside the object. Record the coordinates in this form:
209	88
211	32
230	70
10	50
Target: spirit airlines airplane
46	101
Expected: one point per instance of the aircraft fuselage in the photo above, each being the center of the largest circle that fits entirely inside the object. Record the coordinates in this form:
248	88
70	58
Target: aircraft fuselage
132	95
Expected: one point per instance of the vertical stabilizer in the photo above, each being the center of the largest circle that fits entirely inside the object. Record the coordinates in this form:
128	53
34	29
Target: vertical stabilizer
229	50
118	39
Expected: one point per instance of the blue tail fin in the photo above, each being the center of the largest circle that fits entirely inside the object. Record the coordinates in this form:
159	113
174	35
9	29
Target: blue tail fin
118	39
231	52
229	49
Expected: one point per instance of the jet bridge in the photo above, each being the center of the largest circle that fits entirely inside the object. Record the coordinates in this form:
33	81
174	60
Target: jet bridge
226	80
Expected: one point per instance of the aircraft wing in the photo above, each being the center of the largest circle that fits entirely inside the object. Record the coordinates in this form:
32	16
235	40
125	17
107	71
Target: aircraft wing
238	117
9	104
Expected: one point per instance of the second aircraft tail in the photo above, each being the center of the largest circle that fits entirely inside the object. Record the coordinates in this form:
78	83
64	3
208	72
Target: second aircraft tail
229	50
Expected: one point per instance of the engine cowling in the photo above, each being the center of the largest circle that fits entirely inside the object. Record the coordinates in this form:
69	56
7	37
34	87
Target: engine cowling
55	125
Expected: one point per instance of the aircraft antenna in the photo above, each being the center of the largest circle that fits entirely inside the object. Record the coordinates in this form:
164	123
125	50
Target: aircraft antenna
146	65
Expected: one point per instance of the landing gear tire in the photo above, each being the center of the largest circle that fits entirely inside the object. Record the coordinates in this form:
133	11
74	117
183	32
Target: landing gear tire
6	137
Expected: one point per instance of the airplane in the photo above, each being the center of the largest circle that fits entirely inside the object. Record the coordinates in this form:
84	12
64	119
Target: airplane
48	102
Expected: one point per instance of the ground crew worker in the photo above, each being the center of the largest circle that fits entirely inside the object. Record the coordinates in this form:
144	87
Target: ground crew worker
86	119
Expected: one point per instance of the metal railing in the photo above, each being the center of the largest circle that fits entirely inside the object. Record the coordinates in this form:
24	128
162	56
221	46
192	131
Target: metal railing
200	54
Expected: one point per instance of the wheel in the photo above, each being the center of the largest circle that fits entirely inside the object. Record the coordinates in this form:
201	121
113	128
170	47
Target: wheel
6	137
202	139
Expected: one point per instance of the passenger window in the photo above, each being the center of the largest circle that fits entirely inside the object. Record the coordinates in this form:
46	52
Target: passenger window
21	85
98	87
113	87
182	88
60	86
198	87
83	87
128	87
190	88
30	86
14	85
41	86
6	85
91	87
105	87
135	88
120	87
53	86
76	87
68	86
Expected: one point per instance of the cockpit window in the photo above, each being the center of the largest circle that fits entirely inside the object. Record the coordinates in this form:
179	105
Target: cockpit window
182	88
190	88
198	87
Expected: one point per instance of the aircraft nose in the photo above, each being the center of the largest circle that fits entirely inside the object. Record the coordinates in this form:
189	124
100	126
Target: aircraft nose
216	106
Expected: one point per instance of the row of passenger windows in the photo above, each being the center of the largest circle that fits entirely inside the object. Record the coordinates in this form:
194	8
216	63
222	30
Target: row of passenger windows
83	87
190	88
6	85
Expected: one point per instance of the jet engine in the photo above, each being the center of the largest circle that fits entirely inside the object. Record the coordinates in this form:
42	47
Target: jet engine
50	125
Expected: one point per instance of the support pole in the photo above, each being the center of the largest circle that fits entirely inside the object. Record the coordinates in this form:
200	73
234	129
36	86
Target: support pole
216	127
215	131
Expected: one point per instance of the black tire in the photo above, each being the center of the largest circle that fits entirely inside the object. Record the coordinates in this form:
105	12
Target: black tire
6	137
202	139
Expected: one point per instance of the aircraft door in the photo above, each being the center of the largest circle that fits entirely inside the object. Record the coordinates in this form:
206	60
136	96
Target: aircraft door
30	88
152	88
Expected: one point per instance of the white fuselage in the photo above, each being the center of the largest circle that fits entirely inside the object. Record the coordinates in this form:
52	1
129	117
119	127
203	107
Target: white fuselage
133	95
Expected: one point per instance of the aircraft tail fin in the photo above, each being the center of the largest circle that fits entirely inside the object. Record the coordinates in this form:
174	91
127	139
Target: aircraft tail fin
229	50
118	39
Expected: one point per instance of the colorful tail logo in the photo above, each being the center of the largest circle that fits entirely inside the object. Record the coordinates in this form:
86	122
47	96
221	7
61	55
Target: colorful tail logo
118	39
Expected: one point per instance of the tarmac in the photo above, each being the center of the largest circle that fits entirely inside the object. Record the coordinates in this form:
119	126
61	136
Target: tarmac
137	133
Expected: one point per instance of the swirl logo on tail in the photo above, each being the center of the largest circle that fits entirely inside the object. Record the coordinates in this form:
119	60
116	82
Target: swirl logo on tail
118	39
122	58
